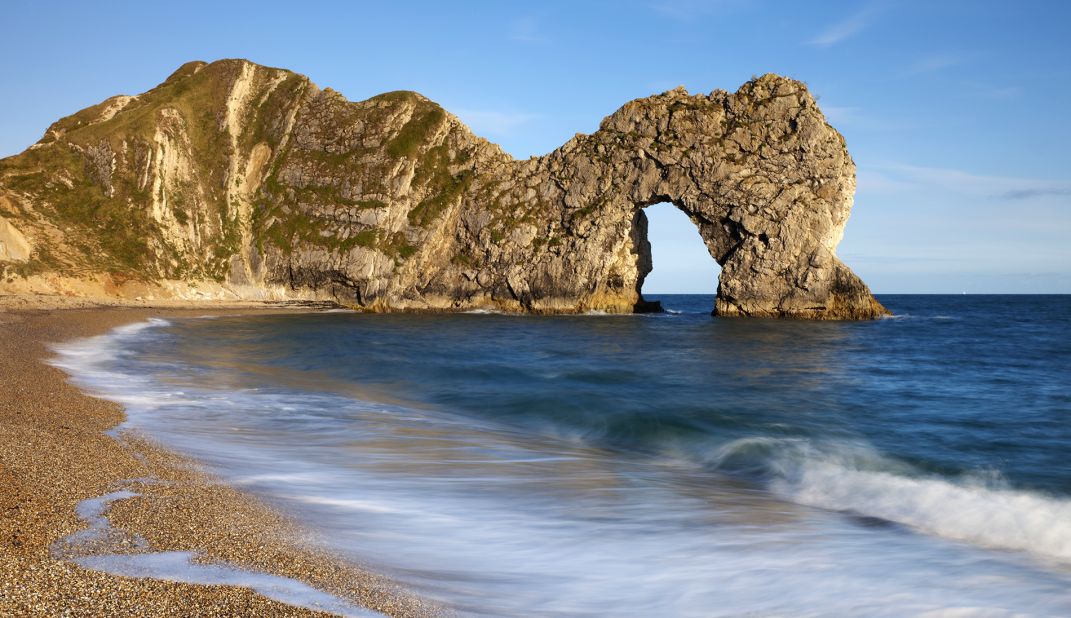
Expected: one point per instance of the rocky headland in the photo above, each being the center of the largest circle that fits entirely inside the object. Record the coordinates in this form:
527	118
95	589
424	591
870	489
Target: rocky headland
234	181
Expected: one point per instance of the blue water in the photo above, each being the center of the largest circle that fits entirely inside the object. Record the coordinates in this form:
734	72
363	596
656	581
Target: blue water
656	465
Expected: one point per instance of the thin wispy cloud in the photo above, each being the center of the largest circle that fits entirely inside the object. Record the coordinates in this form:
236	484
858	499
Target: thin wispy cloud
847	27
929	258
1026	194
900	177
935	63
691	9
527	30
1005	92
992	91
836	114
869	181
494	122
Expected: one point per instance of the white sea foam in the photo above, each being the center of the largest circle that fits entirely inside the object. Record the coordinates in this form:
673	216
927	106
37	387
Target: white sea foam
272	477
87	359
896	317
902	317
97	531
1003	519
854	478
182	566
348	504
137	327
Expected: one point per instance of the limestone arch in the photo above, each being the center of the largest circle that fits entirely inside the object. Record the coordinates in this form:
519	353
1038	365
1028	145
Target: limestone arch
765	179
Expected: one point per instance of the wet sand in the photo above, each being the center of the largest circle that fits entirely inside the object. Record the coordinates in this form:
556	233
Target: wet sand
54	454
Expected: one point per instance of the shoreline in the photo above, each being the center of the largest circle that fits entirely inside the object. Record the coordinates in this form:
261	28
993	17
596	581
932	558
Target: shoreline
55	454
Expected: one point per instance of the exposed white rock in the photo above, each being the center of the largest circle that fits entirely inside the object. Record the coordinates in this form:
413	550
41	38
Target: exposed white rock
13	245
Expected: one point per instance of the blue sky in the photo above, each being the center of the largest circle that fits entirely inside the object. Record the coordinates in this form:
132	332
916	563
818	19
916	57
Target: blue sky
954	111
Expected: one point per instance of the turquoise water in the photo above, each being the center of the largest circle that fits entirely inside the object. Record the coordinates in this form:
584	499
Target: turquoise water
670	465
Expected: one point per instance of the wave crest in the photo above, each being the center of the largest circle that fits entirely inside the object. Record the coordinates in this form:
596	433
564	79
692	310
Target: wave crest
853	477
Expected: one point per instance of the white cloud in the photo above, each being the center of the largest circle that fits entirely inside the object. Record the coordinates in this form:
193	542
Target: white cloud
526	30
1027	193
690	9
901	177
992	91
493	122
847	27
1005	92
871	181
836	114
935	63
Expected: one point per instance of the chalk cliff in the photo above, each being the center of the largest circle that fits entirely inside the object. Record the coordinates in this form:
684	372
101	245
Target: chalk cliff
235	180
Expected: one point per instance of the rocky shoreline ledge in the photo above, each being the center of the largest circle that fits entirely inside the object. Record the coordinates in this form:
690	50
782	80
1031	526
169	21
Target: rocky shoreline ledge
54	455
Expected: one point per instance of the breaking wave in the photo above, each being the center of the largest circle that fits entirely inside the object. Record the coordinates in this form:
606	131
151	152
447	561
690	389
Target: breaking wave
854	478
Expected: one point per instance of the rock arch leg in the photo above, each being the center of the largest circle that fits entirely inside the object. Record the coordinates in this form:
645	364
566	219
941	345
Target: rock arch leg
762	278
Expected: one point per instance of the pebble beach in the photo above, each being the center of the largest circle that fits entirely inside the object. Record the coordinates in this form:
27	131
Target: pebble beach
55	454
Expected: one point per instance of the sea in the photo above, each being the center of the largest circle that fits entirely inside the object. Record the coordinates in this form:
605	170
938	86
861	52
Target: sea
655	465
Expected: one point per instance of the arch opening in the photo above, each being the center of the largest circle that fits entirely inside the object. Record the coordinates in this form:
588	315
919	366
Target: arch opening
681	262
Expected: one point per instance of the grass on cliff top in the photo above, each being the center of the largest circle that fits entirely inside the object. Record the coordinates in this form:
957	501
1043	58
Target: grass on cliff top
425	120
117	231
197	96
119	235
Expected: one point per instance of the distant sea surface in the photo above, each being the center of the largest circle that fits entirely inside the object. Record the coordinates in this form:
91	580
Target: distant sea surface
671	464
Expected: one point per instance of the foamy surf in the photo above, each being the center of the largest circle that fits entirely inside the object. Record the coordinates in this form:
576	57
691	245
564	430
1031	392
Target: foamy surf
93	548
854	478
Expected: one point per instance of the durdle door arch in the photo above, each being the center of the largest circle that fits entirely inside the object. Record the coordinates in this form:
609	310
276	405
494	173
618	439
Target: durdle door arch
767	182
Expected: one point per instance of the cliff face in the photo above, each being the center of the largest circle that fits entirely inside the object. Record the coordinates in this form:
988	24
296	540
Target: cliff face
252	182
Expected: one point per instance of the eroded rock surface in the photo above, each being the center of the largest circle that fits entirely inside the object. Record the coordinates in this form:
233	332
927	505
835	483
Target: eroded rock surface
253	180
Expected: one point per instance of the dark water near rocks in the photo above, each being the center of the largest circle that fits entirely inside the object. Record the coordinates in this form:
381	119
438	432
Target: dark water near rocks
656	465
